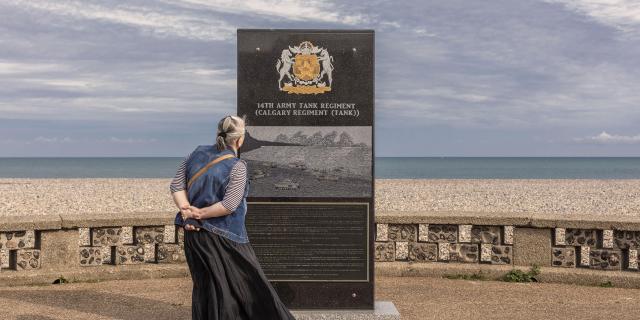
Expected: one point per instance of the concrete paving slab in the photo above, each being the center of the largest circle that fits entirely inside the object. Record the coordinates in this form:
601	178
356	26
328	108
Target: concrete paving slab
416	298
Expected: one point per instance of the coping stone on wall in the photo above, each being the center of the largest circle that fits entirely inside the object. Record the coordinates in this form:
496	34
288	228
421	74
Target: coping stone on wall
117	219
451	217
536	220
29	222
585	221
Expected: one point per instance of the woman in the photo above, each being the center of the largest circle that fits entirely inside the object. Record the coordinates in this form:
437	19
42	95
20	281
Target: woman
210	189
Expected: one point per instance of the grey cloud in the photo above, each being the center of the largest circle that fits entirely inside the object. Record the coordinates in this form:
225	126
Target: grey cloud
152	20
464	67
606	138
295	10
623	15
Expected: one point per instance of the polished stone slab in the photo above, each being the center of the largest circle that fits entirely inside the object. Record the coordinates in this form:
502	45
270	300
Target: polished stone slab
383	310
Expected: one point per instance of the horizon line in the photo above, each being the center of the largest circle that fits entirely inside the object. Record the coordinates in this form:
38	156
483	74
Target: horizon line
413	156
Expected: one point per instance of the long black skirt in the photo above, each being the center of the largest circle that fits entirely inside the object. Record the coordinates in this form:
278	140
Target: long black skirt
228	281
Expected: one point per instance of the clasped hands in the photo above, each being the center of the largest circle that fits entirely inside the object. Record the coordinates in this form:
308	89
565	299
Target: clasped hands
189	211
214	210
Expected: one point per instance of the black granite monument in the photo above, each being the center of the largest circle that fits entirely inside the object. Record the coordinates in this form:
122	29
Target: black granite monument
309	100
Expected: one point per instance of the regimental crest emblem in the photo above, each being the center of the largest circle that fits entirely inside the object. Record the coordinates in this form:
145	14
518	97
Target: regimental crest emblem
305	69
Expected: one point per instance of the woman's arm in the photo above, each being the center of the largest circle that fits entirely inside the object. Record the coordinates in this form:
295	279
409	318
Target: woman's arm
178	188
181	200
234	193
214	210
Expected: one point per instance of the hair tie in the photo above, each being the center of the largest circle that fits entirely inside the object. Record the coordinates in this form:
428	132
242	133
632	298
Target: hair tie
223	134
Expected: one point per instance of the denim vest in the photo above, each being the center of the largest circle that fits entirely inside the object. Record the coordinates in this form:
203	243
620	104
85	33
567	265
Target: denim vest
209	188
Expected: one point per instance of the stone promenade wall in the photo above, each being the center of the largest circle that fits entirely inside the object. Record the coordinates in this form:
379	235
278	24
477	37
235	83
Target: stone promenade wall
603	243
41	249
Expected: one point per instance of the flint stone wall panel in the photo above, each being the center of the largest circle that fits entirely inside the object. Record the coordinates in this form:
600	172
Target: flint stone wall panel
564	257
423	252
403	232
501	254
443	233
17	240
486	234
106	236
581	237
129	254
92	256
149	235
170	253
27	259
462	252
605	259
385	251
626	239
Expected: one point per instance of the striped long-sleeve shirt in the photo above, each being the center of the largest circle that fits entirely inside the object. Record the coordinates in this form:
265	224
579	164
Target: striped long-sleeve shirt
233	193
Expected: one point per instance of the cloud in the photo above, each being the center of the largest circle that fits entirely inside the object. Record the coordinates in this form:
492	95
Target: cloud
139	69
82	90
623	15
66	139
52	139
130	140
10	141
153	20
18	68
606	138
296	10
424	32
192	19
450	93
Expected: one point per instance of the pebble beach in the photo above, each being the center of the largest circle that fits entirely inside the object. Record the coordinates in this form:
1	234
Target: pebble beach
536	196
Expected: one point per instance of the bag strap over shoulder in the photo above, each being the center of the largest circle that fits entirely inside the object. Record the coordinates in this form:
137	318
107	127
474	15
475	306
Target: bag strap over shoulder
205	168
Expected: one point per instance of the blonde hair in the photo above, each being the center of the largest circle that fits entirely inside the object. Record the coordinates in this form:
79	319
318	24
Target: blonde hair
230	129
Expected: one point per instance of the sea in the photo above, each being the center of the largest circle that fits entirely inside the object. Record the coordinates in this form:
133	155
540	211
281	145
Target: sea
385	167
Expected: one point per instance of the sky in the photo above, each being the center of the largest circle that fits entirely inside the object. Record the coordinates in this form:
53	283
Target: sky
453	78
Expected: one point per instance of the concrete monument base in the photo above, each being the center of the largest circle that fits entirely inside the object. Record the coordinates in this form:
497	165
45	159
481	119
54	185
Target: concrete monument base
383	310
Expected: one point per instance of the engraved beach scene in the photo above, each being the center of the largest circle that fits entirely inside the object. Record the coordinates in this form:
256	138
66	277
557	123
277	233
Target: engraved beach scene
305	161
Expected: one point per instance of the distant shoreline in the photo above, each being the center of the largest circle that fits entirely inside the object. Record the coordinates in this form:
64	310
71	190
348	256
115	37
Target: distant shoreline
378	157
385	167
